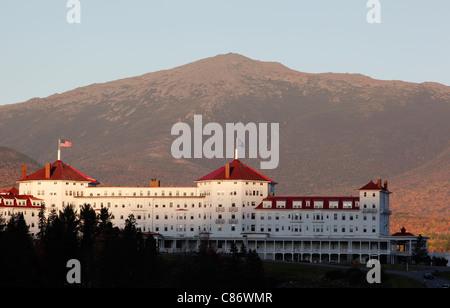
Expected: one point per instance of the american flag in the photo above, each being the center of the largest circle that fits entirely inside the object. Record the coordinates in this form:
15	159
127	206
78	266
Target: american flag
66	144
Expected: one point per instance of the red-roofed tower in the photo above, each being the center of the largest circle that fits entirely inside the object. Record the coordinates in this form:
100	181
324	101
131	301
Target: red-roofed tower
234	190
57	184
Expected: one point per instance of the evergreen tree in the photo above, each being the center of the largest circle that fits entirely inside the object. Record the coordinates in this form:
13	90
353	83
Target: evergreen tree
88	229
419	251
253	269
60	244
41	222
17	259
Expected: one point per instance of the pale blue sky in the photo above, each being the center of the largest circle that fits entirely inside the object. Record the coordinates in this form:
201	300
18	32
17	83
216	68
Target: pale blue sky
42	54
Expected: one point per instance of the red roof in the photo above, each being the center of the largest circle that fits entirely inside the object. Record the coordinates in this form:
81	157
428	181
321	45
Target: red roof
16	198
59	171
12	191
238	171
324	201
374	186
403	233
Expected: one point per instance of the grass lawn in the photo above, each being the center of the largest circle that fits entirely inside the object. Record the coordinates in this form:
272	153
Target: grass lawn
304	275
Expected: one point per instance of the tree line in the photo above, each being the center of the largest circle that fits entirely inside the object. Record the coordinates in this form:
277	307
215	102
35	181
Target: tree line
110	256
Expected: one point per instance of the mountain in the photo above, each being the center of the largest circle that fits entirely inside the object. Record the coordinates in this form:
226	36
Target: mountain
11	162
337	131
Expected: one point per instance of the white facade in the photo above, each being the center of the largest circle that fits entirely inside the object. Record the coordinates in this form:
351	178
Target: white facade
28	206
225	209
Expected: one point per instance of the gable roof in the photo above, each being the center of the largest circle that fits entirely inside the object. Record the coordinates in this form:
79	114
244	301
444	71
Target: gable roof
375	186
403	233
238	171
59	171
12	191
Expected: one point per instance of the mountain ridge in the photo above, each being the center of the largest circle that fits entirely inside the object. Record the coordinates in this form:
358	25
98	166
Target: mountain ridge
337	131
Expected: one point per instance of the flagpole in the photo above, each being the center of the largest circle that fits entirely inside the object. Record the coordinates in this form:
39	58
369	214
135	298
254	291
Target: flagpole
236	149
59	149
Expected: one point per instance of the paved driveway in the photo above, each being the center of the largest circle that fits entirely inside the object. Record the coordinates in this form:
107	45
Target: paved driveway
436	282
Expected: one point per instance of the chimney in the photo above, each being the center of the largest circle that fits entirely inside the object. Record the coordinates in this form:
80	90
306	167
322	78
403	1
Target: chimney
227	171
24	171
154	183
379	183
385	185
47	171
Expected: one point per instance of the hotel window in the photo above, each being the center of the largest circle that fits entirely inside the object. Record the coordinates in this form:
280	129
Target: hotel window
318	204
281	204
347	204
297	204
333	204
267	204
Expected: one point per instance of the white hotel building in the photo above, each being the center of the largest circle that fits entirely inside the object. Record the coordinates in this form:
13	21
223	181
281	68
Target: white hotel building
233	204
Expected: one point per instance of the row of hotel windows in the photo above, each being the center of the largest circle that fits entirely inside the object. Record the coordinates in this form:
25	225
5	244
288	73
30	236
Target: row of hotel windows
8	213
67	183
316	216
262	228
232	193
318	204
81	193
68	193
141	193
318	228
20	202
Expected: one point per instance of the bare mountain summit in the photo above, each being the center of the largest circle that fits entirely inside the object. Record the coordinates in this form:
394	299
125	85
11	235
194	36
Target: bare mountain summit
337	131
